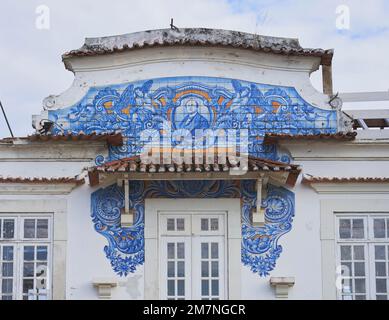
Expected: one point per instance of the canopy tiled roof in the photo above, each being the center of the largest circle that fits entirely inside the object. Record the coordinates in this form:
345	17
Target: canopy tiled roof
308	179
135	166
340	136
197	37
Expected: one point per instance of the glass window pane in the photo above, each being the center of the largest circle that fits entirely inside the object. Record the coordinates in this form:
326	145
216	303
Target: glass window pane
170	287
347	269
204	287
382	297
215	268
180	269
29	228
345	253
8	253
360	297
214	224
360	286
180	224
28	269
170	250
41	253
204	269
379	252
345	228
359	253
28	284
380	285
359	269
8	269
28	253
6	286
170	268
347	286
358	230
204	250
180	287
6	298
214	250
204	225
42	229
387	228
8	228
42	294
170	224
379	228
180	250
380	269
215	287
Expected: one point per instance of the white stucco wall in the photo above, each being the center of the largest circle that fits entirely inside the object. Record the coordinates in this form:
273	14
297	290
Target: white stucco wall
301	256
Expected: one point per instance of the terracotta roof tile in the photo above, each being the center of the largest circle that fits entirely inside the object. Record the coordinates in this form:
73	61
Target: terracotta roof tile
55	180
308	179
197	37
134	165
114	139
341	136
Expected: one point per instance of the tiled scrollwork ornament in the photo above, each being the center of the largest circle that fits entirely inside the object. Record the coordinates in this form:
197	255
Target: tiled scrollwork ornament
125	248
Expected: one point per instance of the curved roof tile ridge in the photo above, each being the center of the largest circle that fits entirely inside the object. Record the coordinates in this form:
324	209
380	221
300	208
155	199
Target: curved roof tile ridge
197	36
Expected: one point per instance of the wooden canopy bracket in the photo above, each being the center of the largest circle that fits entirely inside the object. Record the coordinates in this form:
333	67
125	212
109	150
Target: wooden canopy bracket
127	217
259	213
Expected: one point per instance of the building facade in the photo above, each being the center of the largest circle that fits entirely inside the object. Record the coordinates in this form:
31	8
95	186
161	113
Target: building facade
195	164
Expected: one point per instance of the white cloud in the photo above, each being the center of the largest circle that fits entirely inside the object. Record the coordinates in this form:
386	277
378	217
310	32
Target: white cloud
30	59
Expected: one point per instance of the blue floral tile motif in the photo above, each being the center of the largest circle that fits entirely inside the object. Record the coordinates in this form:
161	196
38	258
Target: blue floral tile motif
125	249
193	103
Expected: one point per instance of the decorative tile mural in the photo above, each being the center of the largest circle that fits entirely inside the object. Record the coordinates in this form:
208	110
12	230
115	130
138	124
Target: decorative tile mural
125	248
193	103
190	103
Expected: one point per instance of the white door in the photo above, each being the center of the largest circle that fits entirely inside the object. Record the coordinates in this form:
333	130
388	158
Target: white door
192	251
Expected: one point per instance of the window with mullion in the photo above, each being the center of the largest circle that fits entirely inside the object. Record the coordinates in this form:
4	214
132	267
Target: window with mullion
34	274
7	228
363	253
25	245
7	271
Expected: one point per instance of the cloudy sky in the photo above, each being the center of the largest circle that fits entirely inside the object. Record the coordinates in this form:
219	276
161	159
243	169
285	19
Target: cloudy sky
30	58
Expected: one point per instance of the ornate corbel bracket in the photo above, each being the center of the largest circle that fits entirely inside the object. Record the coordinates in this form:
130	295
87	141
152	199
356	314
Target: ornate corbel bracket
282	286
104	287
258	214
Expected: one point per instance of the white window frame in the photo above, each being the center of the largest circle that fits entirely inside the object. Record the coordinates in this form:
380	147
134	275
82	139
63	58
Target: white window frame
58	209
368	242
193	236
233	243
2	218
19	242
329	209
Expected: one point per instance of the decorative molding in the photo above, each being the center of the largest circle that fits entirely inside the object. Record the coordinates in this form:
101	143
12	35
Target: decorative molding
351	187
357	150
125	249
282	286
36	188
